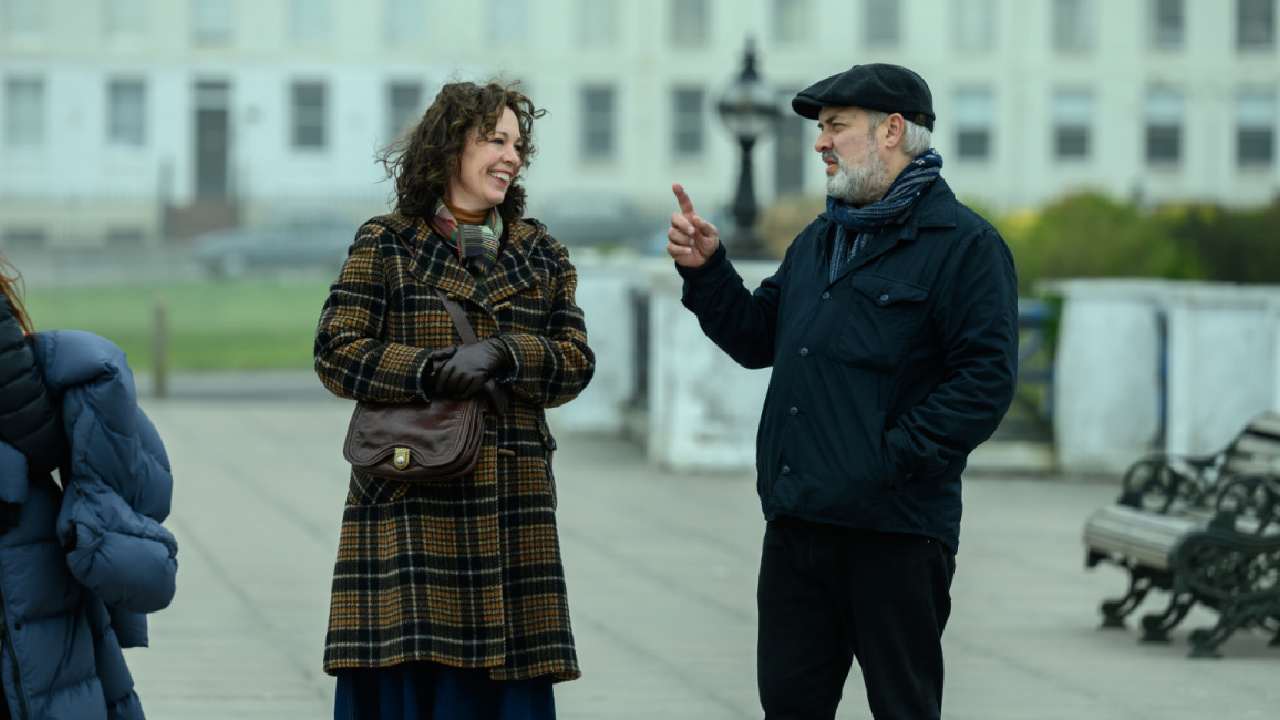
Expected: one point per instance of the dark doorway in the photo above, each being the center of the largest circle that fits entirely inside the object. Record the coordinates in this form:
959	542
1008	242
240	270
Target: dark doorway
213	140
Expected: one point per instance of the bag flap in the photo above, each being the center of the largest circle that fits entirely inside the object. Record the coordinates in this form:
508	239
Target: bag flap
433	432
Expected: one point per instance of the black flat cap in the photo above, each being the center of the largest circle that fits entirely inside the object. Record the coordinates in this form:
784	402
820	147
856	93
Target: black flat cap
875	86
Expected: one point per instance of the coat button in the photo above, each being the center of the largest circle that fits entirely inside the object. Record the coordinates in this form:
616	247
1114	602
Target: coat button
804	352
826	296
786	469
884	298
793	411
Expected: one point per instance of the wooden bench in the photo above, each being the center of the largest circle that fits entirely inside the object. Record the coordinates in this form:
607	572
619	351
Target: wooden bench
1206	530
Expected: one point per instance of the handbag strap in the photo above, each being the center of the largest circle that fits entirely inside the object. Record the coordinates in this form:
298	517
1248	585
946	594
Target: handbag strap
459	317
455	310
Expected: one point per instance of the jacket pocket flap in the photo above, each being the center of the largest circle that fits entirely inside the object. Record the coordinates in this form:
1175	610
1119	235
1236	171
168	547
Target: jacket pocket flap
887	291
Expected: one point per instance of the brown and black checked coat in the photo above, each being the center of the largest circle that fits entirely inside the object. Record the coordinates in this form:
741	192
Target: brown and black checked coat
465	572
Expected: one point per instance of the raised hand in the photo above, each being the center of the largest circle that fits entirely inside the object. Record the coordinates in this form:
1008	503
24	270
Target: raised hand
691	240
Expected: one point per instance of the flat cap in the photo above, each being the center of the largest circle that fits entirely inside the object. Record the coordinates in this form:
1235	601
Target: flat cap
875	86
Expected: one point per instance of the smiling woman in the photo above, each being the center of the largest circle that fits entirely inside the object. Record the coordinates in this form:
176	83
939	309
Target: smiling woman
498	632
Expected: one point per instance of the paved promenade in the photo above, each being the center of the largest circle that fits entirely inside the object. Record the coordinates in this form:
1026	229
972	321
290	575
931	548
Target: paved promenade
661	573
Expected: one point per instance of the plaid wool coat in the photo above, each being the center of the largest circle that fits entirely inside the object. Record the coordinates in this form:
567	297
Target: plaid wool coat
464	572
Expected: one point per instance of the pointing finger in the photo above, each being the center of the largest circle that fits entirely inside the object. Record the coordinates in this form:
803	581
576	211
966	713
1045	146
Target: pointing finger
686	205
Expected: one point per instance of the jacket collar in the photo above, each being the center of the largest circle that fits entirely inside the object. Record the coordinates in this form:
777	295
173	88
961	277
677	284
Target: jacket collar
935	209
437	265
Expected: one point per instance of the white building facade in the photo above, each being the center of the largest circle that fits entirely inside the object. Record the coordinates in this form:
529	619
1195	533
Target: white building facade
121	120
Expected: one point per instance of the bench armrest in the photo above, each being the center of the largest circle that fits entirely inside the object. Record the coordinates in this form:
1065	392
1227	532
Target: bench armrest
1162	482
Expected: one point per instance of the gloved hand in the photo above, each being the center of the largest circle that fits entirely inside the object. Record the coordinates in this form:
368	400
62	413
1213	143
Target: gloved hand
499	400
434	362
462	375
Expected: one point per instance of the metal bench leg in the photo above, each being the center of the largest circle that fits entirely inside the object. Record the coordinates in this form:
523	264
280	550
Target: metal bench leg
1115	611
1231	617
1156	626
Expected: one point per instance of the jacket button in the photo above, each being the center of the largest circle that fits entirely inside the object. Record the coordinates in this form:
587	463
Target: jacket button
793	411
786	469
826	296
884	298
804	352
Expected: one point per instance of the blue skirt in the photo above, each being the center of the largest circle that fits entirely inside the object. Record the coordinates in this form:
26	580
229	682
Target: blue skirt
431	691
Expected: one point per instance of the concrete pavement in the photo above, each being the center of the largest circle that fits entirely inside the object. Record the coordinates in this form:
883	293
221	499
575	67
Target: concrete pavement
661	573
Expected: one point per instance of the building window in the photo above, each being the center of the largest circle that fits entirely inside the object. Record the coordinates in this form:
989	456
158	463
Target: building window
690	23
688	122
1168	24
597	22
309	116
405	21
404	105
880	22
1164	127
25	18
973	124
211	22
599	115
126	113
124	18
790	21
1255	128
509	21
1072	118
1073	25
24	112
792	147
975	25
1255	24
309	21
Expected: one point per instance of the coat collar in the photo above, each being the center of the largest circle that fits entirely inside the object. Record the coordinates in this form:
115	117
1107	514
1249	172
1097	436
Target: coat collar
437	265
935	209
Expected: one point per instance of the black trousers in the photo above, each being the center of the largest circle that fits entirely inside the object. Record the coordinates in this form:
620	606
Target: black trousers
829	595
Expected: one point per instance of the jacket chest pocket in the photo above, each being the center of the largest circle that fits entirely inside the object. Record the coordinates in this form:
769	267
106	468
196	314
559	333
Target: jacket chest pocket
883	318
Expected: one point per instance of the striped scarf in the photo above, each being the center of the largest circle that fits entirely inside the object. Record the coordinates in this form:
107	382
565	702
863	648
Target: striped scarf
914	179
477	245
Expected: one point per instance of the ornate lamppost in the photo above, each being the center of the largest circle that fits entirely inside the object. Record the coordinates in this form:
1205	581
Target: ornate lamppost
749	108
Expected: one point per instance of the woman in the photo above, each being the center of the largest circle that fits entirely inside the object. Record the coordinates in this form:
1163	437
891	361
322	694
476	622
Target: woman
449	598
77	568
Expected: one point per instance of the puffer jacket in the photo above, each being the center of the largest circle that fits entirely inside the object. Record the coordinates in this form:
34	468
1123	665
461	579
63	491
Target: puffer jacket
78	567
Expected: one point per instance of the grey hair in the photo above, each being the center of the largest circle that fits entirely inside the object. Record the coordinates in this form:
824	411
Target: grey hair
918	138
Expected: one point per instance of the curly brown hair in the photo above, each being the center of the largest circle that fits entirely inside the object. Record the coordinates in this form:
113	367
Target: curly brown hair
11	289
424	159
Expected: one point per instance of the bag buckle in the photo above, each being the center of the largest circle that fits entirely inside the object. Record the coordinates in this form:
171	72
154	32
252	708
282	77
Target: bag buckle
401	460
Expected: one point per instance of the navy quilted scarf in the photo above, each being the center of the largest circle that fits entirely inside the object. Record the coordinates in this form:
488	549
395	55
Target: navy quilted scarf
865	222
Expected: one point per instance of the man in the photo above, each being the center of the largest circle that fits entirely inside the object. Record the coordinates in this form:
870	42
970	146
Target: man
891	327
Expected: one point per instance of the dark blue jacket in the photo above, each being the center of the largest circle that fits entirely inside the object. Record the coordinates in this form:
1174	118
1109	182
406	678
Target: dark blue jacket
79	567
883	381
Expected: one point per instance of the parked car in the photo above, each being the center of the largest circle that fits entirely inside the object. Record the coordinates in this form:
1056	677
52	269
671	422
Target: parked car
312	241
596	219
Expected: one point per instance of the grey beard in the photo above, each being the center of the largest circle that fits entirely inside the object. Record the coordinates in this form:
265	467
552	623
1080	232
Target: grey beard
858	185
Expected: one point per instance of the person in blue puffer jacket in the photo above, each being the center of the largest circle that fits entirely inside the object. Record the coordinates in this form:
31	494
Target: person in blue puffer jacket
81	562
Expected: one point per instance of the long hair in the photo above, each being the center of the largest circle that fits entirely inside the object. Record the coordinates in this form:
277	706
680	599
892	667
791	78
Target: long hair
11	287
425	158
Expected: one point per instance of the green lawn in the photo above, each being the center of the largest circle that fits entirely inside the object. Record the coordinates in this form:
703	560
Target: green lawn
247	325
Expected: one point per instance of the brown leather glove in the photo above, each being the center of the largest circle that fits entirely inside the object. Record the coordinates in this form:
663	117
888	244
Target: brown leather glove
462	375
499	400
434	362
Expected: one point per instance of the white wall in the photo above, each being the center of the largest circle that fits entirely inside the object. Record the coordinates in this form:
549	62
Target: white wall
1223	367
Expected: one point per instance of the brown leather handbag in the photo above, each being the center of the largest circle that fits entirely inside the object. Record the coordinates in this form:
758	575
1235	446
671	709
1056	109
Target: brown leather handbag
419	442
